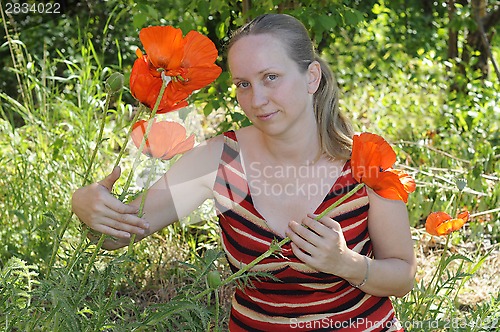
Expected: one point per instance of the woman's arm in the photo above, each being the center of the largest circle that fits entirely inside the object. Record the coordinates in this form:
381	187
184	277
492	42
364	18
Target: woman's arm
186	185
392	272
322	246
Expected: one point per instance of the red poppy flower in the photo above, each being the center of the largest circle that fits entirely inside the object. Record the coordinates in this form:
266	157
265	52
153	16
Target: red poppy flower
165	140
371	162
441	223
145	87
188	61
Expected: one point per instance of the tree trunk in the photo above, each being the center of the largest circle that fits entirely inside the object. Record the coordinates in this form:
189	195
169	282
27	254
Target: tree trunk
246	5
452	32
474	41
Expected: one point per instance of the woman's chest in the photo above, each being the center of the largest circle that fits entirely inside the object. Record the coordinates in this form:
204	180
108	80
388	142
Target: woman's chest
284	193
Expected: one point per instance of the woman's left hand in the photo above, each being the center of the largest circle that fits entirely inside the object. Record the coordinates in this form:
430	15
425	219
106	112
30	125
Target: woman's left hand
319	244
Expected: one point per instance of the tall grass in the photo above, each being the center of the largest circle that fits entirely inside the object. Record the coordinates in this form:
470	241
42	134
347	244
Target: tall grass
48	132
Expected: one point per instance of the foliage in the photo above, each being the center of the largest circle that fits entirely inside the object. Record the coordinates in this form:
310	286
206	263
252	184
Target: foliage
390	60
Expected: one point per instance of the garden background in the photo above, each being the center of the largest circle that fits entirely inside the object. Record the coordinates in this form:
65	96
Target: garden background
423	74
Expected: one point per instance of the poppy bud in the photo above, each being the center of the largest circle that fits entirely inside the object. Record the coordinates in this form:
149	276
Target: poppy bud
214	280
114	83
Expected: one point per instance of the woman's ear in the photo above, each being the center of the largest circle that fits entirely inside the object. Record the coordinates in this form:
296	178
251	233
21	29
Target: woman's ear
314	77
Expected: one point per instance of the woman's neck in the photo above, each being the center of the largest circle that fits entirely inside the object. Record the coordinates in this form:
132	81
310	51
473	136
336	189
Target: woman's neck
298	148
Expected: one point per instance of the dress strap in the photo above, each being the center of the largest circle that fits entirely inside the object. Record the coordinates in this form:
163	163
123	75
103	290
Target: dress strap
231	143
231	151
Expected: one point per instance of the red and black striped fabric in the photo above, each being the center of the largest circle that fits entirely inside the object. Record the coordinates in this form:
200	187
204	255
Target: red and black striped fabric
303	299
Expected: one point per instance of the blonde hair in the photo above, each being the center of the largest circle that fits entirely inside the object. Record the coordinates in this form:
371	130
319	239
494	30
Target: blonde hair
335	129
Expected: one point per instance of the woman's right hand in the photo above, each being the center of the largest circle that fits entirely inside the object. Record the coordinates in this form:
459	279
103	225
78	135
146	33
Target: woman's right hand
100	210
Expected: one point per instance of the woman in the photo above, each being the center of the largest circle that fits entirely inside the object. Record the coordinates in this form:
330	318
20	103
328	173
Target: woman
269	180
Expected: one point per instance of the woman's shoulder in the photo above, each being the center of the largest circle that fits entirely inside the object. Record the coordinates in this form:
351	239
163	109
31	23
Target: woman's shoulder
208	150
199	164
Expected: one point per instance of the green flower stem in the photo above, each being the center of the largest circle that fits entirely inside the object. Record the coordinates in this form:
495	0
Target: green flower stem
433	283
144	139
441	267
143	202
217	309
91	262
275	247
77	251
99	140
127	185
340	201
86	175
122	150
117	161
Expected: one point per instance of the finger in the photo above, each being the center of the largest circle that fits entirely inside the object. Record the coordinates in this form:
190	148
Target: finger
303	232
301	255
316	226
109	181
298	240
327	222
119	226
118	206
112	231
130	219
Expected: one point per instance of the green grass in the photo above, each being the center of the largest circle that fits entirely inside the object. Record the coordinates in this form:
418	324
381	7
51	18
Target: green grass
48	133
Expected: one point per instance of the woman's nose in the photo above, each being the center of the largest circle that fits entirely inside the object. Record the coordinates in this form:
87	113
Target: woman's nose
259	97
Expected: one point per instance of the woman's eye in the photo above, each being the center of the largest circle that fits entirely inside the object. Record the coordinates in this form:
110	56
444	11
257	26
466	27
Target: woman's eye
242	85
272	77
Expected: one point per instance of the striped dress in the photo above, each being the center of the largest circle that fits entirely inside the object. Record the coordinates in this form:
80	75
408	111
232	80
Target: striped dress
303	299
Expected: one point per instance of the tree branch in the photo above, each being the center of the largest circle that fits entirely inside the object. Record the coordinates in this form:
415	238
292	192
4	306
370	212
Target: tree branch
485	40
491	19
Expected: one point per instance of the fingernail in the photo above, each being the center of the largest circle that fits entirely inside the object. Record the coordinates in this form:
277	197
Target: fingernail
146	225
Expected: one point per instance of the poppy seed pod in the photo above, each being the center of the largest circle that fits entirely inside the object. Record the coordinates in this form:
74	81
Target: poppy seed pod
114	83
214	279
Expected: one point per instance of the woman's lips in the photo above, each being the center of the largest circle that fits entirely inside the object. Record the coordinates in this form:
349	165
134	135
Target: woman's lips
267	116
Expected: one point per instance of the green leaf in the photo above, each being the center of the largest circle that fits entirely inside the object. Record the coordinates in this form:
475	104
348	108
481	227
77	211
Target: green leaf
352	17
139	20
327	21
203	8
221	30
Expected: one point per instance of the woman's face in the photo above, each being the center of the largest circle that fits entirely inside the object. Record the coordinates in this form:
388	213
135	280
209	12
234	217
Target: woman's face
271	90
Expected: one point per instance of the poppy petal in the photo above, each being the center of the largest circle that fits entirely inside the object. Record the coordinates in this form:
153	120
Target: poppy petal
445	228
165	140
434	220
199	50
143	86
164	45
373	149
182	147
197	78
388	185
137	134
164	136
406	179
457	223
371	160
465	215
370	154
146	87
